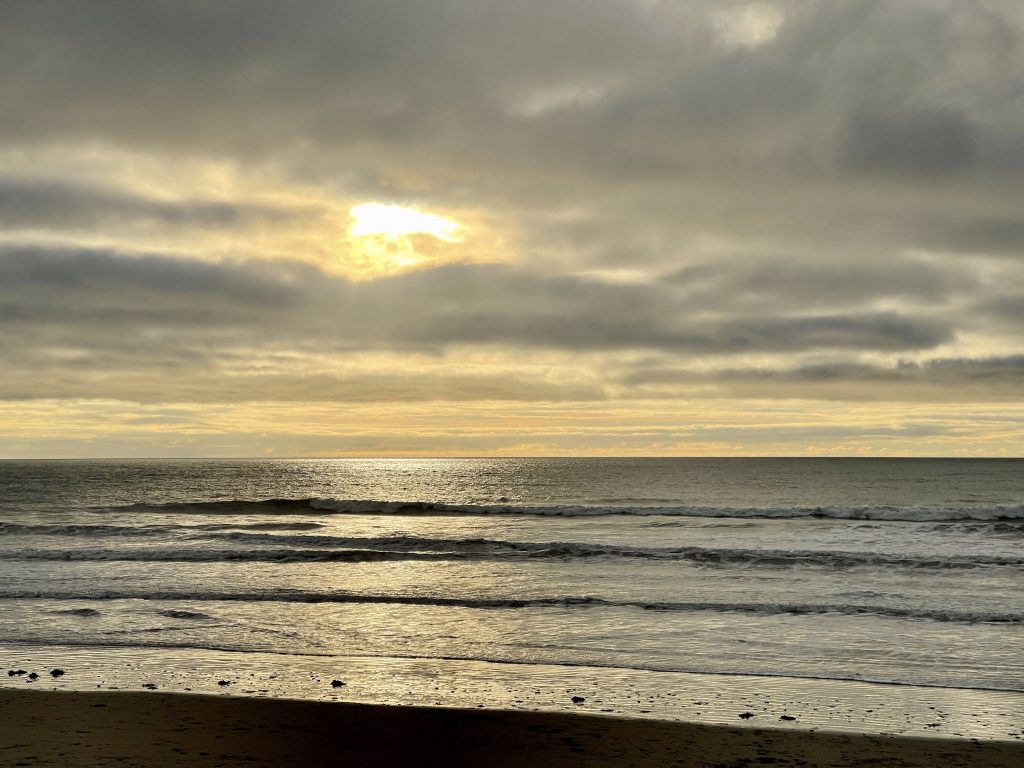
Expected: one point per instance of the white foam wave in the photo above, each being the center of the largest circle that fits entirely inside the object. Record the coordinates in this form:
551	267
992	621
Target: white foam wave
894	513
294	549
303	506
571	601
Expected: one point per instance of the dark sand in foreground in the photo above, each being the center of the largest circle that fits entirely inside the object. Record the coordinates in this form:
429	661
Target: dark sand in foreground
156	729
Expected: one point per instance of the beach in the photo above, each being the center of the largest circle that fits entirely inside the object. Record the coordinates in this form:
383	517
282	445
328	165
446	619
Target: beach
65	728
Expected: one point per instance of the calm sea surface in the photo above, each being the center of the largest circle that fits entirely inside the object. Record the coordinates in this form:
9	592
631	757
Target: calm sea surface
904	571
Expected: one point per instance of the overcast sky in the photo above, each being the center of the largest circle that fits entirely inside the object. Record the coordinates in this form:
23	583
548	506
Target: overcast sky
475	227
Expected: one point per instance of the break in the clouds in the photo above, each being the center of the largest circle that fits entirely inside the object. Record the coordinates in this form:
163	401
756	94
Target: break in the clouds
465	226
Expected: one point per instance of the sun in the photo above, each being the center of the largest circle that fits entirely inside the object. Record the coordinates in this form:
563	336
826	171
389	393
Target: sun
388	238
397	220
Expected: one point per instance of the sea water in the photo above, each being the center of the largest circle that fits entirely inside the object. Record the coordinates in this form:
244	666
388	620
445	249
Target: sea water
515	581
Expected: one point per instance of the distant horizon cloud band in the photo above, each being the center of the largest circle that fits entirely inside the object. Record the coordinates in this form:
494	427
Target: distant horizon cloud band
470	227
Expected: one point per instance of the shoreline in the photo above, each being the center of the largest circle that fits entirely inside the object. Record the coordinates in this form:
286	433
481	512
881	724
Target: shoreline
46	727
702	699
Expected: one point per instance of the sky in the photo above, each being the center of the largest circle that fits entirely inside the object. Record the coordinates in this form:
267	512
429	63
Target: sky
482	227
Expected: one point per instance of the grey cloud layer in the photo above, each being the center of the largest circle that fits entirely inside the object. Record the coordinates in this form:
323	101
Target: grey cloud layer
938	380
822	282
851	186
28	203
895	123
907	87
89	323
451	305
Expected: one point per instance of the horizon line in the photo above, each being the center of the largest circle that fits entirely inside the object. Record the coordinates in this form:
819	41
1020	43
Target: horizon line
486	457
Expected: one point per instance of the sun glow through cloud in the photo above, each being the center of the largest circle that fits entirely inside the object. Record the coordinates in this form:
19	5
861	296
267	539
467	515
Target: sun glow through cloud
398	221
388	238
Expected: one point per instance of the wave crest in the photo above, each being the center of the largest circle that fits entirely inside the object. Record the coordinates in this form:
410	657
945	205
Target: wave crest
330	549
326	506
572	601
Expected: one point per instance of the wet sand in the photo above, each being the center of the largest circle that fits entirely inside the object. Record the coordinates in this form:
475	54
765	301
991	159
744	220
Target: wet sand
67	728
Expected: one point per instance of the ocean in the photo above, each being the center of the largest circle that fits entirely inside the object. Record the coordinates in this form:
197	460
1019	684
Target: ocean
642	587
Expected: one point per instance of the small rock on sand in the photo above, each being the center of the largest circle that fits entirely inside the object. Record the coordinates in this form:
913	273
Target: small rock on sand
746	715
578	699
56	672
337	683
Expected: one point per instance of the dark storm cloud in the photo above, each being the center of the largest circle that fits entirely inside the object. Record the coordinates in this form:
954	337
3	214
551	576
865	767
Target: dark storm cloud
27	203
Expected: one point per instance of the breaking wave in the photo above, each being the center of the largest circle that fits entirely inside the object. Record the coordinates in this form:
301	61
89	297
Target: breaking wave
397	508
296	596
330	549
90	529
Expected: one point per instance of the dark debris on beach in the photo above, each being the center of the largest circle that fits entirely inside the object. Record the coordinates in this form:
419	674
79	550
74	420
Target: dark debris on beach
935	722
